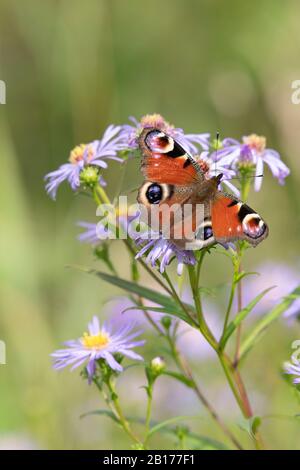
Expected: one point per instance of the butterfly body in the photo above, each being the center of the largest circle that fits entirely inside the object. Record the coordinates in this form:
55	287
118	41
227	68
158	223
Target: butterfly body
184	204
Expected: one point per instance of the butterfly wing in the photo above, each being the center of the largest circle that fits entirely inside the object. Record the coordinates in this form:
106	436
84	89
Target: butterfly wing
174	181
165	161
173	177
234	220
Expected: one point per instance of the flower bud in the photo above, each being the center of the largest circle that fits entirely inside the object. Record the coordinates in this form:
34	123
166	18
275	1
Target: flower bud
153	370
157	365
166	322
89	176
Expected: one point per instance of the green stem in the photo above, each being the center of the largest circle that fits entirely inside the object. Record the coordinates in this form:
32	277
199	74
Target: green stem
231	298
102	194
239	328
233	377
177	298
122	420
235	283
184	368
148	412
203	327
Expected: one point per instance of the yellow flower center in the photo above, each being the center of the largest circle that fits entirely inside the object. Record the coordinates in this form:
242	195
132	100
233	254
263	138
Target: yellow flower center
155	120
255	142
76	154
99	341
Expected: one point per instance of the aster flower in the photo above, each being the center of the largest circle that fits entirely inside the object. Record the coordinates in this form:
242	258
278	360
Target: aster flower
213	168
190	142
98	343
93	233
85	161
251	153
162	251
293	369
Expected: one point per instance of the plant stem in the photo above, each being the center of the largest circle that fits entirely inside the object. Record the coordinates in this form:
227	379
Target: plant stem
102	194
233	377
231	298
184	368
148	412
177	298
203	327
123	422
239	328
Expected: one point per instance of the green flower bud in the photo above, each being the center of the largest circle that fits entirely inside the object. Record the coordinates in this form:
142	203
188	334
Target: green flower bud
89	176
166	322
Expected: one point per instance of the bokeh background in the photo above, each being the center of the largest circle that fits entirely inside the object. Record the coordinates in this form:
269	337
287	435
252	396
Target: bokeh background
71	68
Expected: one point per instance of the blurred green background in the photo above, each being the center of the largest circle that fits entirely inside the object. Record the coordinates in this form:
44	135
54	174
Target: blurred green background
70	69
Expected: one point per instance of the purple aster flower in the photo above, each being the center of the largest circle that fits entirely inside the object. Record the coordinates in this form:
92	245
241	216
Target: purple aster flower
164	251
190	142
293	369
93	234
251	151
105	229
98	343
91	157
213	168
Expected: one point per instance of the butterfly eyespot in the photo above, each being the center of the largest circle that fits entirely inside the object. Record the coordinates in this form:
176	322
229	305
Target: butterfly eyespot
208	233
205	231
154	193
254	226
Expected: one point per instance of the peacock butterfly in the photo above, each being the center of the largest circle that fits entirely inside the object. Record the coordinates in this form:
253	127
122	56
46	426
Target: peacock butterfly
174	178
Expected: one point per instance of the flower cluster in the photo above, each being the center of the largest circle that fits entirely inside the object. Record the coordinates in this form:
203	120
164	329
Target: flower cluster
229	157
102	349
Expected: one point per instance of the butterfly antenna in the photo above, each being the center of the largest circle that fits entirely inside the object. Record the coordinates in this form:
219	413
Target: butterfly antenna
217	148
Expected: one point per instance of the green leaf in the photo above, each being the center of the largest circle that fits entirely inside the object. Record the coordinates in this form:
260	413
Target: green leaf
168	422
240	317
102	253
251	425
259	329
255	424
206	443
170	306
134	270
243	274
149	308
179	377
200	442
107	413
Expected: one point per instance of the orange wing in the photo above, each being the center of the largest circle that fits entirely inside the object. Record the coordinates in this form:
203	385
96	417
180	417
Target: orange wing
165	161
233	220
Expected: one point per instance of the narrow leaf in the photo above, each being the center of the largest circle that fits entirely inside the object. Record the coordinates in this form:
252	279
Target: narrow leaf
179	377
168	303
259	329
168	422
240	317
107	413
